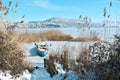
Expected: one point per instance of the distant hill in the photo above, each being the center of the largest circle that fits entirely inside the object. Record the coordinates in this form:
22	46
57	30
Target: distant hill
55	23
58	22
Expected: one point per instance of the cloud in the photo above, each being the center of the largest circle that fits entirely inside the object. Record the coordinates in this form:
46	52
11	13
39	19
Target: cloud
48	5
42	3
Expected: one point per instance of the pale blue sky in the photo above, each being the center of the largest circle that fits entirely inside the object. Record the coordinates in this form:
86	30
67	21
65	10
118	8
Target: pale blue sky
37	10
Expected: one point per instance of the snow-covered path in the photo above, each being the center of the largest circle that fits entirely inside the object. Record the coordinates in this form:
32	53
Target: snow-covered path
35	60
41	73
73	47
32	57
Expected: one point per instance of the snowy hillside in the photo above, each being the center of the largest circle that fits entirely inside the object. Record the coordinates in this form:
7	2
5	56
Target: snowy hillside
58	22
55	22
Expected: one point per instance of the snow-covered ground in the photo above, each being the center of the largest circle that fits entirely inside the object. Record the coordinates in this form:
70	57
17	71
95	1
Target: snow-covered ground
38	74
35	60
74	49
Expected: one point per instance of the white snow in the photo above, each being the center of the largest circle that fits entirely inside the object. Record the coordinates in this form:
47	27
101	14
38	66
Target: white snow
59	68
39	74
5	76
35	60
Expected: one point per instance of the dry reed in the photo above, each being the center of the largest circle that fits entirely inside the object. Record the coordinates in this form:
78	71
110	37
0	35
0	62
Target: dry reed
11	55
50	35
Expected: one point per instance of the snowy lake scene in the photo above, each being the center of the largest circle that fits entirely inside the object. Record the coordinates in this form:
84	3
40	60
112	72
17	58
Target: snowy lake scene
59	40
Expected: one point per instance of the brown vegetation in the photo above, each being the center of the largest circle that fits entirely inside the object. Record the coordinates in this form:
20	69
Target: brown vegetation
61	57
110	69
49	35
102	59
83	61
54	35
11	56
25	37
92	37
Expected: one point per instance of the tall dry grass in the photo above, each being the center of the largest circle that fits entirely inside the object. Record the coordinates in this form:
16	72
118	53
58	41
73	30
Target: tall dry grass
11	55
22	37
59	56
50	35
55	35
92	37
83	62
80	64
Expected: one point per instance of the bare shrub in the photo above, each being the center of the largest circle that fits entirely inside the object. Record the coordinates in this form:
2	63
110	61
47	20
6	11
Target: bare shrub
100	52
105	60
99	55
110	70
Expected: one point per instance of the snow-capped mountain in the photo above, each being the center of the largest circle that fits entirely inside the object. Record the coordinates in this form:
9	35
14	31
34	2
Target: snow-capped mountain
58	22
55	23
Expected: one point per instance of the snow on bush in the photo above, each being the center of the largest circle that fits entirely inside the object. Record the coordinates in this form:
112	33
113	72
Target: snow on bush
100	52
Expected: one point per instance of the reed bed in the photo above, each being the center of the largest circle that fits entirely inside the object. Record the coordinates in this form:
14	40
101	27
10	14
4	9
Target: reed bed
50	35
11	55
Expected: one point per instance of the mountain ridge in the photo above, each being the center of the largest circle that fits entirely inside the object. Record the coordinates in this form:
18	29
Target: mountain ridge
58	22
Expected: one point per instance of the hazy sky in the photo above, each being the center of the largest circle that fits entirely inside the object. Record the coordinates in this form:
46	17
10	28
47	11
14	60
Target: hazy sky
37	10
